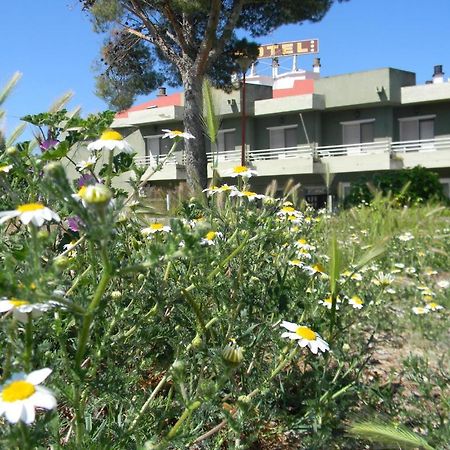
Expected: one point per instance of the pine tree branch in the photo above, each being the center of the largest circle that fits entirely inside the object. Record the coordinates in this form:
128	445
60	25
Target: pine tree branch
227	30
210	36
155	36
181	41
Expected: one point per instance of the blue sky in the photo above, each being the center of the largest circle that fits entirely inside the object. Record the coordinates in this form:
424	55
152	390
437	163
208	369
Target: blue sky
52	43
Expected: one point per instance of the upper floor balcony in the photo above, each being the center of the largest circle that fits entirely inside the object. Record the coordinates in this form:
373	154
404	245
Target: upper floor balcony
309	159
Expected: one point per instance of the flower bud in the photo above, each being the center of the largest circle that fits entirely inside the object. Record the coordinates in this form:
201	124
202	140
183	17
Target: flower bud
11	151
197	341
43	234
98	194
115	295
232	354
61	262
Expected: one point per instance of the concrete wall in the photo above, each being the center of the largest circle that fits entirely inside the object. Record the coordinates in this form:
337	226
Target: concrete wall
373	87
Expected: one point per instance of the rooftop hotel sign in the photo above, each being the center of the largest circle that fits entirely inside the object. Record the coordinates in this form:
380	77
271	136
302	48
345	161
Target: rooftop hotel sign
289	49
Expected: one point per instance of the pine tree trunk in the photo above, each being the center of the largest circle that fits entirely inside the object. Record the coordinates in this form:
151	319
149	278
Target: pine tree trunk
195	149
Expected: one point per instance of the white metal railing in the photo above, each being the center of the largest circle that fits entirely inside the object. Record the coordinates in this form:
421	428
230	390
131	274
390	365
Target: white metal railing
232	155
309	151
304	151
153	161
363	148
424	145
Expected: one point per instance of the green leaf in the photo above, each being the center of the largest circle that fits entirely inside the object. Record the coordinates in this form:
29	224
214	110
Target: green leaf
56	153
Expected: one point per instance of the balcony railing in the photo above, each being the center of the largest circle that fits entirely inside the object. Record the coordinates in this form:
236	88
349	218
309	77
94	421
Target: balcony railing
424	145
153	161
314	151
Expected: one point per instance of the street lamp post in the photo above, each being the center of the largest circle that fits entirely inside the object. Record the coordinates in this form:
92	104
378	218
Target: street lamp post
245	61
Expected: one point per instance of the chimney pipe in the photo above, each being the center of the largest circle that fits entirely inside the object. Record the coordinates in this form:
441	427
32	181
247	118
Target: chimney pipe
438	75
161	92
316	65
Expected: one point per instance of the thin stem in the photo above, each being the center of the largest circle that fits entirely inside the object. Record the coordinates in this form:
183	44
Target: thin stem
28	343
110	167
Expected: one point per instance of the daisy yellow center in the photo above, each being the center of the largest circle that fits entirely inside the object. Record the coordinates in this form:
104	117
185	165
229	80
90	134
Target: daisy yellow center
177	132
111	135
16	302
240	169
28	207
211	235
156	226
306	333
18	390
432	305
328	300
357	300
302	241
295	261
4	168
288	209
318	268
249	193
82	191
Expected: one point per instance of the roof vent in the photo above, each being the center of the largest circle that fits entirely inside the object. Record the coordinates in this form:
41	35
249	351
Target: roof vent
438	75
161	92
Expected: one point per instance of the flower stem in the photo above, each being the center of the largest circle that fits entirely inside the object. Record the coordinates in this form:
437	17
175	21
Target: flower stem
28	342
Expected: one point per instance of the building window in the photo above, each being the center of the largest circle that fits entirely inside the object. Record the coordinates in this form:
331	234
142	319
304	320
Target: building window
416	128
344	189
157	147
283	137
357	131
445	186
226	140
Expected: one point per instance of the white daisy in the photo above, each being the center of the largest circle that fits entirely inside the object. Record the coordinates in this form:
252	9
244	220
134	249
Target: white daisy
36	213
22	308
287	211
111	140
383	279
21	394
433	306
242	171
316	268
328	303
88	164
295	262
303	244
405	237
443	284
305	337
224	188
156	228
248	194
5	168
356	301
419	310
172	134
211	238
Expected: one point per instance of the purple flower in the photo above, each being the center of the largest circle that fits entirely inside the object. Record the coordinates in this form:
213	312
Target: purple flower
48	144
86	180
74	223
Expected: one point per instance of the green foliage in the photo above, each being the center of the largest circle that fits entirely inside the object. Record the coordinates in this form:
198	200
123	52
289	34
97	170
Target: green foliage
388	434
407	186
